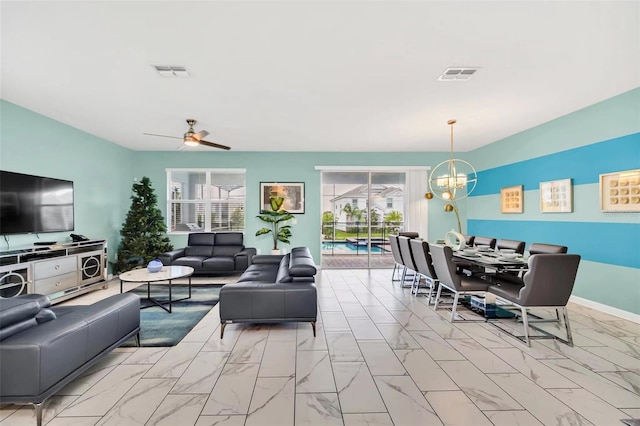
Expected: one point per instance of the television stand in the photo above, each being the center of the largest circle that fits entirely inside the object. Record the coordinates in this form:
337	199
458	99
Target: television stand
45	243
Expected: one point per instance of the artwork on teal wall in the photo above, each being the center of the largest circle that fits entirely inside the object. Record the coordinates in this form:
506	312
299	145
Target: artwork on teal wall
511	199
620	191
556	196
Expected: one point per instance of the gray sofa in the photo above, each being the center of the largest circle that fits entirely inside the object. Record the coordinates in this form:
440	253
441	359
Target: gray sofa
43	348
211	253
273	289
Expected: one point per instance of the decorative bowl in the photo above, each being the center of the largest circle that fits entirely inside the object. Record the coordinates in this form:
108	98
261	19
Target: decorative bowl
483	248
469	251
503	251
154	266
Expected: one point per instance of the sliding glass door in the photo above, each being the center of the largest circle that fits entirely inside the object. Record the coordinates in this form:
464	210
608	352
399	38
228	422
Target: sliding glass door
360	210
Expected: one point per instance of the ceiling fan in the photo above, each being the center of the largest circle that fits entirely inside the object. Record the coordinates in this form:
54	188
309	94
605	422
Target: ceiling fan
191	138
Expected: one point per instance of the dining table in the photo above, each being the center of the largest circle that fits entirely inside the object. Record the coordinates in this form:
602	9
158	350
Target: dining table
492	261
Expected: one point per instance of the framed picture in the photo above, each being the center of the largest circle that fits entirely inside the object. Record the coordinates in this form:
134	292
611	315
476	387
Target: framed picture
556	196
511	199
292	192
620	191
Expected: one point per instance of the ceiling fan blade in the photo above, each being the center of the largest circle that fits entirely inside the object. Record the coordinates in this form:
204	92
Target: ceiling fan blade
214	145
163	136
201	134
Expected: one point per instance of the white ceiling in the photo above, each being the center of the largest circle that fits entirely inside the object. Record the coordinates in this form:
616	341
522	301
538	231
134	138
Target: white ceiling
316	76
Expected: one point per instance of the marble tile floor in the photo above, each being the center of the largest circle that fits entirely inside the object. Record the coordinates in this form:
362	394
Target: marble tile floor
381	357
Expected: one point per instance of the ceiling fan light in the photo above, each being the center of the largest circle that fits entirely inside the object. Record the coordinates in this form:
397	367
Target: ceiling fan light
191	141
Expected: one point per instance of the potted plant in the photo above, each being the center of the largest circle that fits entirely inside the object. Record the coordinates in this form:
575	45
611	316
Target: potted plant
275	218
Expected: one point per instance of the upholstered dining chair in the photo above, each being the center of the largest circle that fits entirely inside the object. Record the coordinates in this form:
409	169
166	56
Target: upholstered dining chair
424	266
485	241
540	248
468	240
398	264
446	271
407	260
518	246
547	284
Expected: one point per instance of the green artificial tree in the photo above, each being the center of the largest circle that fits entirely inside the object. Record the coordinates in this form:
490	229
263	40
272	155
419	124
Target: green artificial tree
144	232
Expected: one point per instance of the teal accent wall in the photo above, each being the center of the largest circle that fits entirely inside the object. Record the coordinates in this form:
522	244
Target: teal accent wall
101	171
601	138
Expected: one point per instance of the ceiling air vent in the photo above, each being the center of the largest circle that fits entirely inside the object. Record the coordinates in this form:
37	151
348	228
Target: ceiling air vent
171	71
458	74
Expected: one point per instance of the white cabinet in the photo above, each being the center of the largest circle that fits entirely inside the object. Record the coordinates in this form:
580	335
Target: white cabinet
60	271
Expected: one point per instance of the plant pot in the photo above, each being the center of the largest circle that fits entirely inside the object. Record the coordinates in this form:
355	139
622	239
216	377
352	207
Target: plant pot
276	251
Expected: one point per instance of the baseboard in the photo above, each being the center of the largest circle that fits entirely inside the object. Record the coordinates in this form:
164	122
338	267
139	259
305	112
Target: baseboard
629	316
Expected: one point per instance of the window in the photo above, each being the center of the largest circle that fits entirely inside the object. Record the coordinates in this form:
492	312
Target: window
389	203
354	203
205	200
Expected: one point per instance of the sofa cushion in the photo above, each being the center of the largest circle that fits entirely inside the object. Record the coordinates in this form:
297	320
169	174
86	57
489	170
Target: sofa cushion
194	261
220	263
226	250
201	239
229	239
205	251
259	272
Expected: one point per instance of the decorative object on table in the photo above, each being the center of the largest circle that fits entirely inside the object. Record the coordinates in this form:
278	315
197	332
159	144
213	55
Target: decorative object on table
556	196
511	199
291	192
620	191
276	217
154	266
452	180
144	232
455	240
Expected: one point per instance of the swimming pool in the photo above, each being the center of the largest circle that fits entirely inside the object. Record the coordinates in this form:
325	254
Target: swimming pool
349	247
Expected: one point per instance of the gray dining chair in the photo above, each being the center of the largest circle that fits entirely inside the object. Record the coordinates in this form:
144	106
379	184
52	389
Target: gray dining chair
407	260
424	266
398	264
484	241
547	284
518	246
540	248
468	240
446	271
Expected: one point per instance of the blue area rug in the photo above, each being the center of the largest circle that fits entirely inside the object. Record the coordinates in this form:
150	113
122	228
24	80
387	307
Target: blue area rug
160	328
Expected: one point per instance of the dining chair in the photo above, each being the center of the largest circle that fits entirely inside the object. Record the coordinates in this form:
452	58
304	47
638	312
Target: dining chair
446	271
407	260
485	241
540	248
424	266
397	258
468	240
518	246
408	234
547	284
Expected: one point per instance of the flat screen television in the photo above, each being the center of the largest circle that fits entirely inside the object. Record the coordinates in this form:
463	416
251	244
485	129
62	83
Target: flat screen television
34	204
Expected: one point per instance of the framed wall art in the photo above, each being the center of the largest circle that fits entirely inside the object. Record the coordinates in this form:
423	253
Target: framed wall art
511	199
556	196
292	192
620	191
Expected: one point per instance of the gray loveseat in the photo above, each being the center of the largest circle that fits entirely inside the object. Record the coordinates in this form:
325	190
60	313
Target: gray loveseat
211	253
273	289
43	348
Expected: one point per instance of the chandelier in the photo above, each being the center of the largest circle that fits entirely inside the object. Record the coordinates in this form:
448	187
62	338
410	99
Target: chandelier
452	180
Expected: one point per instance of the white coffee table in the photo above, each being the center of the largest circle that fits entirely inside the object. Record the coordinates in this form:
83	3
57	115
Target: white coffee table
168	273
